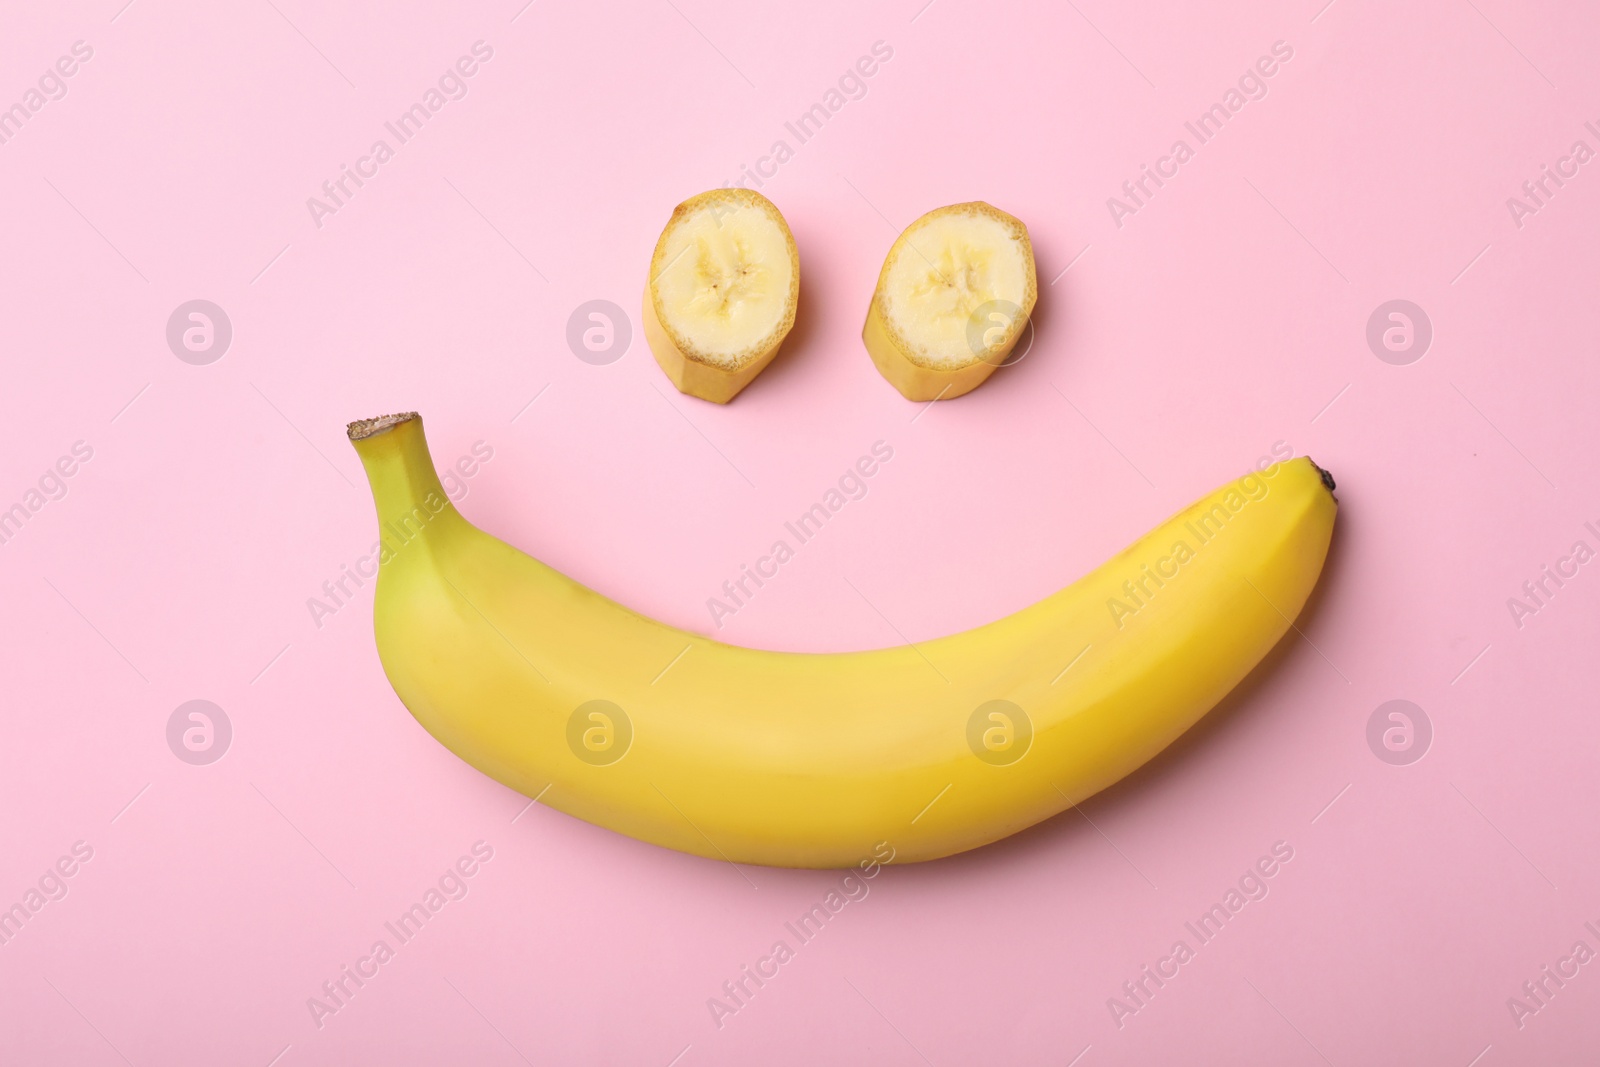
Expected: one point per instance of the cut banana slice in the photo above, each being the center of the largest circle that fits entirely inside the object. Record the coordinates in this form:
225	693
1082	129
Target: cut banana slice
723	289
953	297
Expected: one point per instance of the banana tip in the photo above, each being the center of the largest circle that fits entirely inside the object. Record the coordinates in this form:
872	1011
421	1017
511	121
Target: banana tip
364	428
1327	475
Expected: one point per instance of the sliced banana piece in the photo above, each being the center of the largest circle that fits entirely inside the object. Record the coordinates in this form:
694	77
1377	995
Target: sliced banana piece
723	289
953	297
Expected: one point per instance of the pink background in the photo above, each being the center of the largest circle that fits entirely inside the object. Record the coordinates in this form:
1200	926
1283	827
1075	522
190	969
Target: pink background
1227	314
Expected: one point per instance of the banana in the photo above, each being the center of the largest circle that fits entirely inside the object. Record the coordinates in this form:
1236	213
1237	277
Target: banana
723	290
953	297
806	760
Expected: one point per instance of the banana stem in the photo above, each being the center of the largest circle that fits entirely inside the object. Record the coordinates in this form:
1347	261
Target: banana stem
405	487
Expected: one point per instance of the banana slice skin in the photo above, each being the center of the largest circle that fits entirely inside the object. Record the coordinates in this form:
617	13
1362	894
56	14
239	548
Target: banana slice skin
723	291
953	298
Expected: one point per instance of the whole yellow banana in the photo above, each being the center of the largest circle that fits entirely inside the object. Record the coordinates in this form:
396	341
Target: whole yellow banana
804	760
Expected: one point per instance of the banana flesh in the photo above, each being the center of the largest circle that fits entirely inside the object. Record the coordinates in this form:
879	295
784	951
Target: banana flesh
953	298
723	291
